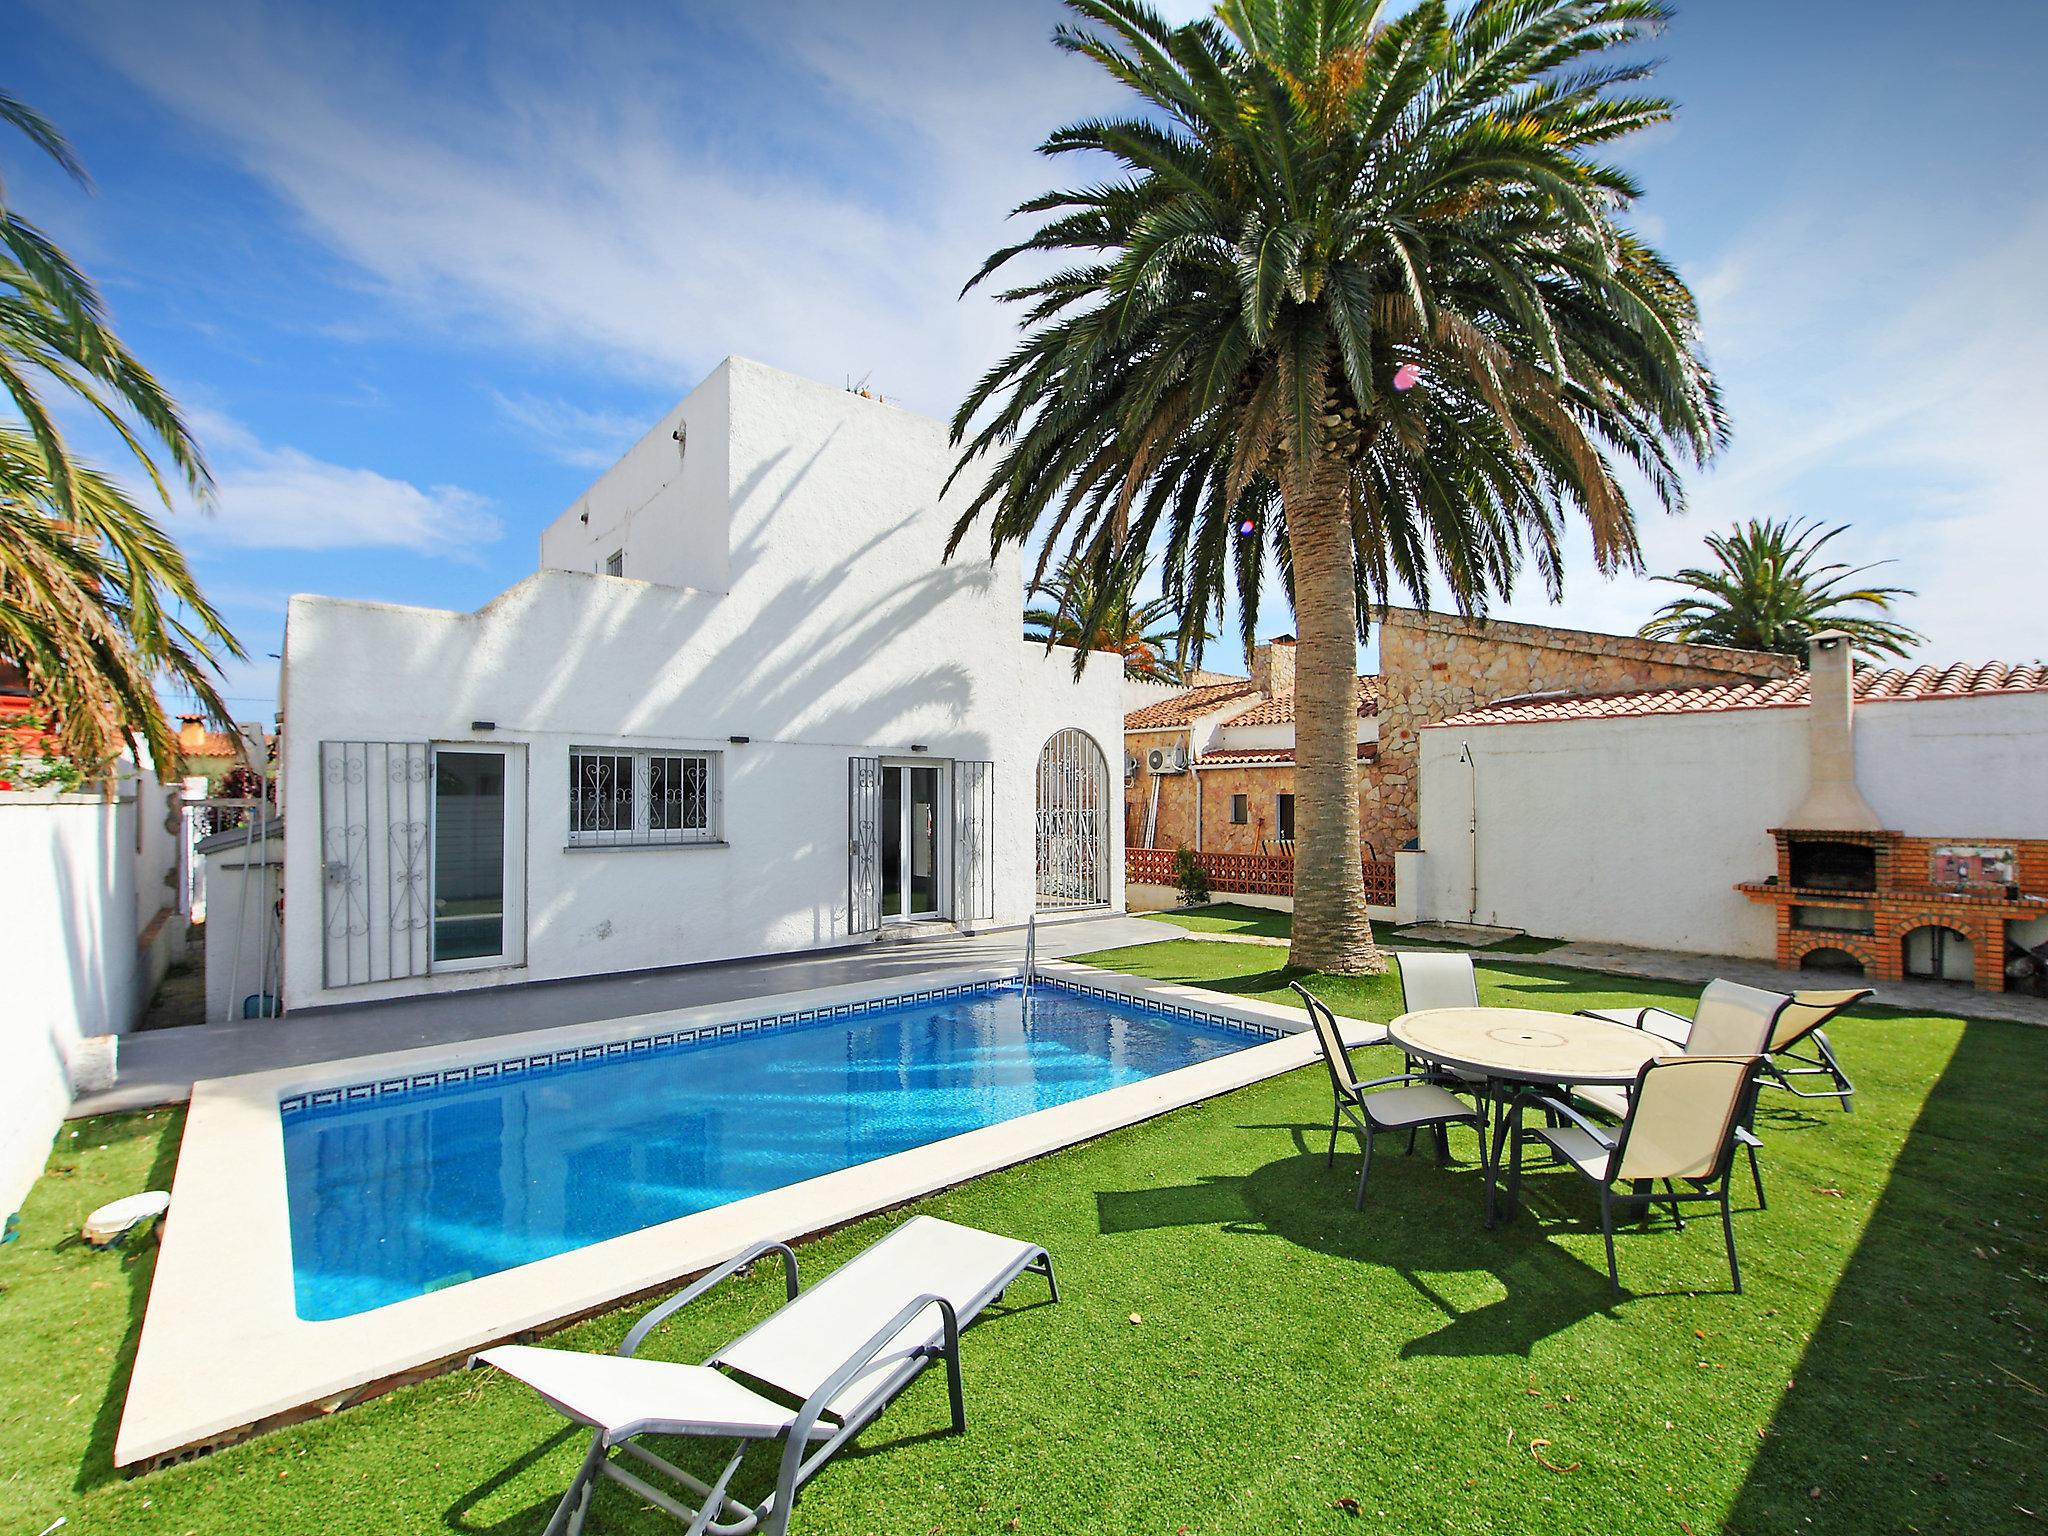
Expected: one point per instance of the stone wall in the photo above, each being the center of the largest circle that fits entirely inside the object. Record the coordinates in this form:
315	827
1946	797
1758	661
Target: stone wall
1434	666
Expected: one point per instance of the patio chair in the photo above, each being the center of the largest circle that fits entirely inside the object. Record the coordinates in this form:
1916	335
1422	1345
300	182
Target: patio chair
1440	981
1800	1025
1378	1105
1681	1127
842	1350
1731	1020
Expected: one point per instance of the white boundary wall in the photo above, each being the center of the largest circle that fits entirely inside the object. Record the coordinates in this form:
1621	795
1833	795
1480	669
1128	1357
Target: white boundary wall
834	630
81	880
1636	830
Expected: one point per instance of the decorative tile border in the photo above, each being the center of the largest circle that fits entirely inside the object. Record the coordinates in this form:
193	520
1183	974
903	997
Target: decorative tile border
541	1063
1173	1010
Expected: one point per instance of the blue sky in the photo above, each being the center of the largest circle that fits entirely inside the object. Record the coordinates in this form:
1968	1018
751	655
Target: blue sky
420	272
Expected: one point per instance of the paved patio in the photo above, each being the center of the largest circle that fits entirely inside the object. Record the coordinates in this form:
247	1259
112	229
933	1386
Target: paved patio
159	1066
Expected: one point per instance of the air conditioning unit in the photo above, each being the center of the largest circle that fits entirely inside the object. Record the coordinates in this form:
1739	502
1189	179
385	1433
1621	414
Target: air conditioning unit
1167	759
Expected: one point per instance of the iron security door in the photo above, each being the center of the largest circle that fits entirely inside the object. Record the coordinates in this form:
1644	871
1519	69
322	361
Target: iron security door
863	844
974	863
374	805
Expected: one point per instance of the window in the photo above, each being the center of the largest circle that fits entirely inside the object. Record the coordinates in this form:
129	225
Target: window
615	563
642	799
1283	818
1240	810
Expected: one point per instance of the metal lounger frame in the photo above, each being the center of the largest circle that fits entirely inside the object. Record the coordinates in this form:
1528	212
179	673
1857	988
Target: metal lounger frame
800	1462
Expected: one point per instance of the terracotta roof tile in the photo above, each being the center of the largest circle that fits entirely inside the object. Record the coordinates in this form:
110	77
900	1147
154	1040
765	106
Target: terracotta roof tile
1872	685
1279	709
1254	757
1186	708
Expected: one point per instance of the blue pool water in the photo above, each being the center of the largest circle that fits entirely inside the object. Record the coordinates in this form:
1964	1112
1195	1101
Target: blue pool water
395	1196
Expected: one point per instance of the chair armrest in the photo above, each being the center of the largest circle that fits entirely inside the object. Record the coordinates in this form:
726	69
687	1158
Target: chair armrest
869	1356
1632	1017
1403	1077
1600	1133
661	1314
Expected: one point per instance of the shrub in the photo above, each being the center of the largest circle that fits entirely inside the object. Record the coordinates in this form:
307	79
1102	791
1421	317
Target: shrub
1190	877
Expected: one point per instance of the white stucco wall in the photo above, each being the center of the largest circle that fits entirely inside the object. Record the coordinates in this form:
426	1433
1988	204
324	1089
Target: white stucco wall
1636	831
664	504
839	634
241	937
68	903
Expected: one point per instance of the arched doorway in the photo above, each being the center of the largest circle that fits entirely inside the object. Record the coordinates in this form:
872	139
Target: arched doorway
1828	958
1938	954
1073	822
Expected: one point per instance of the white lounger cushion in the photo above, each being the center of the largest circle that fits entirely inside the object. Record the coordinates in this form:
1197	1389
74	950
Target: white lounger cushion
626	1397
799	1347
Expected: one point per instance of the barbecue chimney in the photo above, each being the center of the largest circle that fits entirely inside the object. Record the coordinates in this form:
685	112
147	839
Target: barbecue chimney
1832	803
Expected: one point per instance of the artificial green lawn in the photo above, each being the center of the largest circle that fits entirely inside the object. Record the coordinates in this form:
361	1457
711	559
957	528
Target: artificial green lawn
1288	1353
1270	923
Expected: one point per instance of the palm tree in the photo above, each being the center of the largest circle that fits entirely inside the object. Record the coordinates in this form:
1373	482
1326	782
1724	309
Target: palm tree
1358	300
1766	592
97	604
1107	616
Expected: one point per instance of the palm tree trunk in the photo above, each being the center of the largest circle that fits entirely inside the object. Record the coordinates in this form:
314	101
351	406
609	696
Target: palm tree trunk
1332	931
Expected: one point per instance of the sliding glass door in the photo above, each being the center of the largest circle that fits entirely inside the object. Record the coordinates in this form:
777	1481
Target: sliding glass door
911	853
478	865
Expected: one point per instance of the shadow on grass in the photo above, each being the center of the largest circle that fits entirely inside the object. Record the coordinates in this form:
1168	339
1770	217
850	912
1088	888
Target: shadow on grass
1936	1331
138	1268
613	1509
1403	1230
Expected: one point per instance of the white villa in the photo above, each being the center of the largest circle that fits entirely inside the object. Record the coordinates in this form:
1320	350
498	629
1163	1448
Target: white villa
743	707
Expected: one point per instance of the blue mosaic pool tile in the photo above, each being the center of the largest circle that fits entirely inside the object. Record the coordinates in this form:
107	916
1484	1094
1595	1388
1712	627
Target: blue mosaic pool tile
544	1062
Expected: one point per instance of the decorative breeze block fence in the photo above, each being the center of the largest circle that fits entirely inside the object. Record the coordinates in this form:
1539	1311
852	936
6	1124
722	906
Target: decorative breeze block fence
1257	874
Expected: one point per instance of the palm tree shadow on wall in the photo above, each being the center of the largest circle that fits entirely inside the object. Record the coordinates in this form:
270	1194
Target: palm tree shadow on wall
1922	1399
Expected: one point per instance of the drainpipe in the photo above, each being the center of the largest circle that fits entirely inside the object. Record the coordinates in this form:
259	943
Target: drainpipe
1465	756
1197	777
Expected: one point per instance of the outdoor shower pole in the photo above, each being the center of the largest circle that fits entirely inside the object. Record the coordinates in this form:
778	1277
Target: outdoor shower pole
1472	830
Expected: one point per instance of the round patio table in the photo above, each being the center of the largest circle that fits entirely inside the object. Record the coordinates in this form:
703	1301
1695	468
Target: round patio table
1522	1046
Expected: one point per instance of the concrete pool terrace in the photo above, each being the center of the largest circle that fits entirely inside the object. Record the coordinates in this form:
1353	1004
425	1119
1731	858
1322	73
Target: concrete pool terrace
223	1350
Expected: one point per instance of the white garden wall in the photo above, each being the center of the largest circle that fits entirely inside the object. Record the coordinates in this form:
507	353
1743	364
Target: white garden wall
1636	830
829	628
72	905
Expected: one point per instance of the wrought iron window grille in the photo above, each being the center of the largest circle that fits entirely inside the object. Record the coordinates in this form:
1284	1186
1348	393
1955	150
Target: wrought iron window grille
638	799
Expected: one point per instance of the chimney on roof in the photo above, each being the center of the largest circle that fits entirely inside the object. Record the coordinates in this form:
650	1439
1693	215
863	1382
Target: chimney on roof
191	732
1832	803
1273	666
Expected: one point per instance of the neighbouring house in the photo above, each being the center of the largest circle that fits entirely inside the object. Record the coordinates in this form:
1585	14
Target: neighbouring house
1884	820
1434	666
1211	767
743	707
208	754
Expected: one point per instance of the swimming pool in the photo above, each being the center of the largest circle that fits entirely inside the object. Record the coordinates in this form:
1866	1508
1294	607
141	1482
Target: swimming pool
411	1185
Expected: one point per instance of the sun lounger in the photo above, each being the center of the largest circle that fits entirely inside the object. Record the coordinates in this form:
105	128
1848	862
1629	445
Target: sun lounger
811	1375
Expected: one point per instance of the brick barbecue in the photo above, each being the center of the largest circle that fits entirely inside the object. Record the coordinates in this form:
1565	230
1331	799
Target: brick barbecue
1851	894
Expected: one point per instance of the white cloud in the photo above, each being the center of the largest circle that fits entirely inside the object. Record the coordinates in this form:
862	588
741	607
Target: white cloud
609	198
279	497
569	433
1871	386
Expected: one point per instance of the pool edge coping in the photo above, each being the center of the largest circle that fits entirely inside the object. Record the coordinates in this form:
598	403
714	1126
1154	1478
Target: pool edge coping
223	1350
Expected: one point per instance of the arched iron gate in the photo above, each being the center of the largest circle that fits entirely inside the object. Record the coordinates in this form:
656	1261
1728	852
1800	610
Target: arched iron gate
1073	822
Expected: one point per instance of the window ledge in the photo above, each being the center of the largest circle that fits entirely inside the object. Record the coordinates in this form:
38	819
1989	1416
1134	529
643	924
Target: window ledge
716	842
